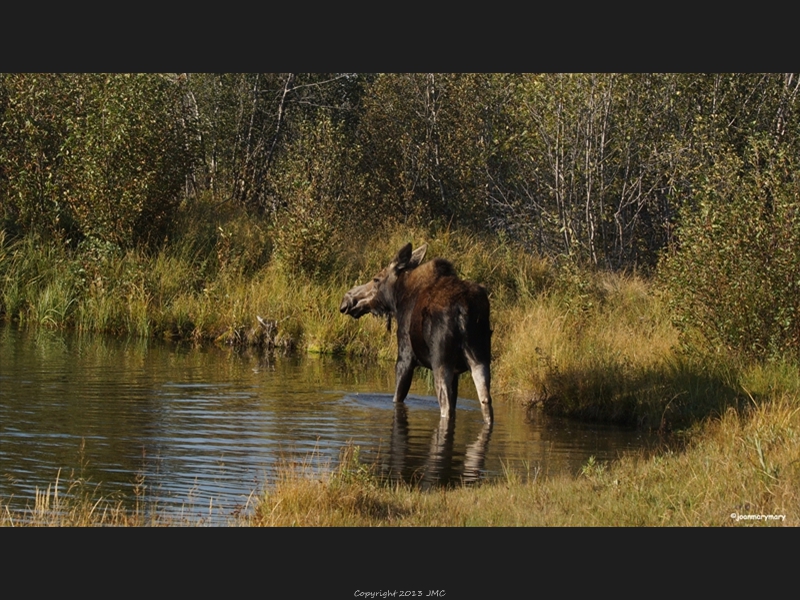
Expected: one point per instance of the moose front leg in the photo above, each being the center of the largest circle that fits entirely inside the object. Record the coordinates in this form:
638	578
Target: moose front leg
404	371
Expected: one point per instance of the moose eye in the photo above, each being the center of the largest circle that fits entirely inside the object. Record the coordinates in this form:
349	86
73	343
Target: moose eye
376	280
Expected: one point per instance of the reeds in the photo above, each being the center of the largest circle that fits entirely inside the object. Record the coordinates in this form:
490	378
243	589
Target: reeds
73	504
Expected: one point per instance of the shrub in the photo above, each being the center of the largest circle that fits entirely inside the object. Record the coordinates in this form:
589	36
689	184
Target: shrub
93	155
735	276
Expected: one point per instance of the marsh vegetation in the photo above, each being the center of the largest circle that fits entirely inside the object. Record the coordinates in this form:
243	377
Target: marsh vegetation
639	236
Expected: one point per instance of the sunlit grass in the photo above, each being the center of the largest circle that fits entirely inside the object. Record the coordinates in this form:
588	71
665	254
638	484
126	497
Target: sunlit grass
736	465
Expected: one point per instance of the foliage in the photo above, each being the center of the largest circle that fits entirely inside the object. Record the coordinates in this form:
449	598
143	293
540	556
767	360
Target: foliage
735	278
314	201
609	170
248	120
426	140
102	156
597	166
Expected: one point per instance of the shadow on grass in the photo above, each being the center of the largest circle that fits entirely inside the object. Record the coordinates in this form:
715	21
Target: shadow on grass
669	398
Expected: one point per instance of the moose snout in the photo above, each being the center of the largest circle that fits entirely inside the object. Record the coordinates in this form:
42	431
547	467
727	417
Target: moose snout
346	305
357	301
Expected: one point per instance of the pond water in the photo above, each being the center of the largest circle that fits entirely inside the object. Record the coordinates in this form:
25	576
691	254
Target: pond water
196	429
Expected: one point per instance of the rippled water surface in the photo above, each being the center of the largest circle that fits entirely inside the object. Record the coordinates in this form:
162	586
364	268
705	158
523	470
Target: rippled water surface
192	428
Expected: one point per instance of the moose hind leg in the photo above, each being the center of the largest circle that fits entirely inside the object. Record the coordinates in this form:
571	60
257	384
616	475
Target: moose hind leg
481	375
445	380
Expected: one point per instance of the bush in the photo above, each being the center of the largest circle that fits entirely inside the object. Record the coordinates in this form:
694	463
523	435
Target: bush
310	187
93	155
735	277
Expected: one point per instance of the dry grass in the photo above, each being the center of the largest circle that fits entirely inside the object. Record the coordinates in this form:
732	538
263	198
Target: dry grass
72	505
598	346
77	503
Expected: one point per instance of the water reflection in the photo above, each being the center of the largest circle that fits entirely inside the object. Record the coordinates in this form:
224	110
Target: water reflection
191	426
442	464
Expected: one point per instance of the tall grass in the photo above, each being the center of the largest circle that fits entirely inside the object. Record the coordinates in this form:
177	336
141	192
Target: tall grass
76	503
217	273
602	346
72	504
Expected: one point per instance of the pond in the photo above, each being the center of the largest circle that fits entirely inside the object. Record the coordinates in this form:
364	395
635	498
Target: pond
193	429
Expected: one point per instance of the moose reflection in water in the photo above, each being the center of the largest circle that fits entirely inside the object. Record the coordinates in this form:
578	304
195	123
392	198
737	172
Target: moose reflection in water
441	466
442	324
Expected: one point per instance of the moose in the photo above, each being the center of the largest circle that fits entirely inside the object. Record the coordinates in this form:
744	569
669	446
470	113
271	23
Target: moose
442	324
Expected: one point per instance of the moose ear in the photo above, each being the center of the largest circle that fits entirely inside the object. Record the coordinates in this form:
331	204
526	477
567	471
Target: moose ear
401	261
417	256
406	259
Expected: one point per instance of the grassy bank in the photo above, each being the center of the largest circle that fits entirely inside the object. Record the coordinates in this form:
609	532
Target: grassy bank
566	340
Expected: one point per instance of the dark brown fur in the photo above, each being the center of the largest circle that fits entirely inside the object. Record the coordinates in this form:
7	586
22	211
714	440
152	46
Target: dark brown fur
442	324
